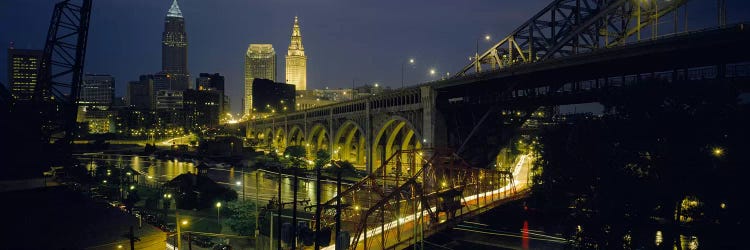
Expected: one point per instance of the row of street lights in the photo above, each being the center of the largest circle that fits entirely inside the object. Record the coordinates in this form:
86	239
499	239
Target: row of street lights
434	72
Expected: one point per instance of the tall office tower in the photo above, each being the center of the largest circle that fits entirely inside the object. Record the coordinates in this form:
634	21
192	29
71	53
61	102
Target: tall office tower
97	91
260	62
296	61
174	49
23	70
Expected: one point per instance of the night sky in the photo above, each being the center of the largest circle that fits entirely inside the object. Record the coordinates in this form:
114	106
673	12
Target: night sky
345	41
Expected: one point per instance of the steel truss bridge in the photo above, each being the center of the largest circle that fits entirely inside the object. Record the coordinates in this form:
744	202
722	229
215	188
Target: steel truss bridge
573	51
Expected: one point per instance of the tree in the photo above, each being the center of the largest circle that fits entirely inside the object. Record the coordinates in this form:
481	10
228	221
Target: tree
241	217
322	157
295	151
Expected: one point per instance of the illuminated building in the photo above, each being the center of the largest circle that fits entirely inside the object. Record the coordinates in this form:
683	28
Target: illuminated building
97	91
174	49
169	100
23	70
260	62
296	61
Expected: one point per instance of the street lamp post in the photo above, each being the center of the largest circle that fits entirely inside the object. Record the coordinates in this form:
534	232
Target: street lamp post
218	213
476	54
411	62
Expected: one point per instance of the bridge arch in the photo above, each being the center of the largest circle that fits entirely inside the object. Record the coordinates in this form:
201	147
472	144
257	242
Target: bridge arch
317	139
279	139
296	136
395	134
264	137
349	144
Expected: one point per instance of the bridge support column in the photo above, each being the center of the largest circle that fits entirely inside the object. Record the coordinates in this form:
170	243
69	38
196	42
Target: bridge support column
429	120
368	133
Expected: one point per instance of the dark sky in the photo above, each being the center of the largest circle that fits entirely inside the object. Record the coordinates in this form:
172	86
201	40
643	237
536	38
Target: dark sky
345	40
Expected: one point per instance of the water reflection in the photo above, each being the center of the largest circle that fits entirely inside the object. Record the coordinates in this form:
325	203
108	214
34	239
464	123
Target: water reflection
157	171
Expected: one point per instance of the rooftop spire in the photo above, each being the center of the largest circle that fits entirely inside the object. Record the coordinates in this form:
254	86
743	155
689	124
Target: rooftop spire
295	46
174	11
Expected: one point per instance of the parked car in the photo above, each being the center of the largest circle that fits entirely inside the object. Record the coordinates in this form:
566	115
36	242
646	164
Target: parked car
222	247
202	241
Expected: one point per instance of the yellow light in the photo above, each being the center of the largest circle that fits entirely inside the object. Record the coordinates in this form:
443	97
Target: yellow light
717	151
487	37
445	184
184	222
218	204
356	208
119	246
132	187
723	205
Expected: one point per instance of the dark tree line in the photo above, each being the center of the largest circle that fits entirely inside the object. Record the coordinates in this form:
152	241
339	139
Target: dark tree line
612	181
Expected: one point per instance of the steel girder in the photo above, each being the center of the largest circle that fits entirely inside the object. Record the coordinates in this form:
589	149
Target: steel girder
57	92
567	27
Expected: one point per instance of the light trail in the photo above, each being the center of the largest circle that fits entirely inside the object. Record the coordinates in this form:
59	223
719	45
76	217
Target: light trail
393	224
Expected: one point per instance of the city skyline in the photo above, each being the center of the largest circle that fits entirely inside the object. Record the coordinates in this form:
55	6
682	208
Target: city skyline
128	33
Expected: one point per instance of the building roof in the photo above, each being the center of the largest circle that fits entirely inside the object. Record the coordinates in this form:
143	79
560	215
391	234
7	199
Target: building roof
174	11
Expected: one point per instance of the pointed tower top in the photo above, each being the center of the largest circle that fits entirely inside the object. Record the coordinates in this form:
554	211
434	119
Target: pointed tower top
174	11
295	46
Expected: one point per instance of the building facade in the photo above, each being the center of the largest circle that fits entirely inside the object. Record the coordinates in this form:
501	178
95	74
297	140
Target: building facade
138	95
202	108
174	49
260	62
206	81
23	71
272	97
214	82
296	61
97	91
171	100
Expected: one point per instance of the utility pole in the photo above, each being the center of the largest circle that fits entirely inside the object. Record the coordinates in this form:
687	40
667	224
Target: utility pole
317	206
132	238
279	210
338	201
177	219
294	209
257	212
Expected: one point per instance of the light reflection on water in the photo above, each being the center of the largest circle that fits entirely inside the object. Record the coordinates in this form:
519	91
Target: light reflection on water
156	171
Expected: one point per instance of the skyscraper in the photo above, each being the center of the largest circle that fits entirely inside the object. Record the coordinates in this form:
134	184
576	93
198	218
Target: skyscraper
174	49
260	62
97	91
296	61
23	70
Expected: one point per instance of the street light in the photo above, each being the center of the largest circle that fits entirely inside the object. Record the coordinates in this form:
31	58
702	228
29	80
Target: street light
218	213
717	152
476	54
411	62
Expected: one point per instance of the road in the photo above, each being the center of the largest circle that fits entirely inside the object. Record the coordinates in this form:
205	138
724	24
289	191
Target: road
399	233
